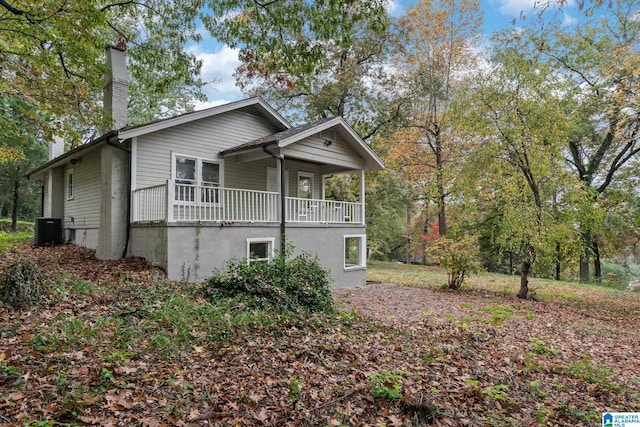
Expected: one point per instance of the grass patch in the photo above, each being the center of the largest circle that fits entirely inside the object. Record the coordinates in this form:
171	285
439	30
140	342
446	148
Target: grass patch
23	226
408	275
157	317
589	296
497	314
9	241
585	370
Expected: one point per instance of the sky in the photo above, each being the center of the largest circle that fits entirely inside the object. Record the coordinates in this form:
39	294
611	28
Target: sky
219	61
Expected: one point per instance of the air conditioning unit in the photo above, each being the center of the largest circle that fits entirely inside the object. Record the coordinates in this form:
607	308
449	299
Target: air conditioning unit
48	232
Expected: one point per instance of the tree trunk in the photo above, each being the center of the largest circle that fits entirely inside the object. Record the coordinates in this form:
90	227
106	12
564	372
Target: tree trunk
557	277
585	258
408	254
426	228
524	280
442	212
14	208
597	267
442	217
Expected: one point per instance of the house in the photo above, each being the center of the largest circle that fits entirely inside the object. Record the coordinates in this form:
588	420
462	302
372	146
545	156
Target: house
190	192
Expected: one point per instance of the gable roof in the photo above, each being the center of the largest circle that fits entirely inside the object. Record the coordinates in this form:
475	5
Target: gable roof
255	104
275	138
73	153
292	135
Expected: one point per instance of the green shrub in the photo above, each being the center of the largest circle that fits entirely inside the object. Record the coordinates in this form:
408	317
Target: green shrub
294	283
21	284
458	256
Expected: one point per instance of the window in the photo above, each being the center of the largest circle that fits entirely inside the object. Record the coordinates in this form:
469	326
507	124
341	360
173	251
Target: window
260	249
189	172
354	252
70	183
305	185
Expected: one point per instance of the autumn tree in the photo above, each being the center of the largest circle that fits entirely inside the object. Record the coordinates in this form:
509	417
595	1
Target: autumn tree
52	59
515	111
434	54
312	59
600	56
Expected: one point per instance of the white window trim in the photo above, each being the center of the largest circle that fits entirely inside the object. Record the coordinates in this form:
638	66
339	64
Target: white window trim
270	240
199	161
307	175
70	173
362	262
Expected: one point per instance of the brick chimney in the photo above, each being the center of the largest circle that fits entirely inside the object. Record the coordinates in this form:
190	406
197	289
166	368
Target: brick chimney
116	86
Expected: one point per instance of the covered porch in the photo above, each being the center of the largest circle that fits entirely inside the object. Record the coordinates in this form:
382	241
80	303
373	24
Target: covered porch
172	202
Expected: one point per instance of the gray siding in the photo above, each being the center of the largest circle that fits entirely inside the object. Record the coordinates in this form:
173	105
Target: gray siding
313	148
203	138
82	213
248	176
253	175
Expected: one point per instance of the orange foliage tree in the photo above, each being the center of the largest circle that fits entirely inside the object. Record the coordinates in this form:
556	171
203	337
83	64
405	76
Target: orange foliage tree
434	56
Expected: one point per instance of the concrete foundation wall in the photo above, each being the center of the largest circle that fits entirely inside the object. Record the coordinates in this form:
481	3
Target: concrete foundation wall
149	242
87	237
192	252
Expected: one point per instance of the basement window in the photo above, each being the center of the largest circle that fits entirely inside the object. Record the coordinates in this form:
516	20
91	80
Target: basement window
260	249
354	252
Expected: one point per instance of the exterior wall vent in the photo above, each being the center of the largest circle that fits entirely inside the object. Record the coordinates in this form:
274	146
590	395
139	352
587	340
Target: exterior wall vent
328	135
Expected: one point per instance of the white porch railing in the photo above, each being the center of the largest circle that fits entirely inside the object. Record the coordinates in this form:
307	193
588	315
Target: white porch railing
150	204
322	211
202	203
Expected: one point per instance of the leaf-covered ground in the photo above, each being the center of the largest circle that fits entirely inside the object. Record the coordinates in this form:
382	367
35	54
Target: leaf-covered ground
116	344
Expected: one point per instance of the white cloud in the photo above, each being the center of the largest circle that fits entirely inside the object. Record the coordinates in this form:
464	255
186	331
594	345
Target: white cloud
218	67
198	105
393	7
569	20
515	7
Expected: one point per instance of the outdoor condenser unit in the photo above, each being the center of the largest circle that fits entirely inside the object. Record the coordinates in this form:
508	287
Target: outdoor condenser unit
48	231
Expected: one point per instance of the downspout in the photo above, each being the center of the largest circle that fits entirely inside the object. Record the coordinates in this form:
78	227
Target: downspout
41	199
283	237
128	228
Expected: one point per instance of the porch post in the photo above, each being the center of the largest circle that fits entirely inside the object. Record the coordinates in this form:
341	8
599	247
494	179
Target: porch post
362	195
283	208
169	195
